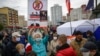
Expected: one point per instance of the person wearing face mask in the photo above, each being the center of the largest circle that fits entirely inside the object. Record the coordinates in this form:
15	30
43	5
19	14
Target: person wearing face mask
90	36
90	49
38	42
78	42
20	50
53	45
64	49
11	46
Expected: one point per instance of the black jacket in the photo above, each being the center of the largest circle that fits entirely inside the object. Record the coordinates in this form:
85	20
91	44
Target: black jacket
91	38
97	54
2	49
11	49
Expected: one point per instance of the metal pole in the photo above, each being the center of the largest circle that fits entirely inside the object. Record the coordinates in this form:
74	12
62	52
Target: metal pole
95	14
96	6
13	24
96	3
70	25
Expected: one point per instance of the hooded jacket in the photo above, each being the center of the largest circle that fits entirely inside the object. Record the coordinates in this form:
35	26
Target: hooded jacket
65	50
76	45
40	48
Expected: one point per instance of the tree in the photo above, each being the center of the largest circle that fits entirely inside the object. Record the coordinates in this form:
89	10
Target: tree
1	27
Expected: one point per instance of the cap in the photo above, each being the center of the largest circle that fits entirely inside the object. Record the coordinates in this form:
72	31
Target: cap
16	34
89	46
28	48
77	33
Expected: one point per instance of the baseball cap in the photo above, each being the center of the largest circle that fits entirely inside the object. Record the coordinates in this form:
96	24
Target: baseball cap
89	46
16	34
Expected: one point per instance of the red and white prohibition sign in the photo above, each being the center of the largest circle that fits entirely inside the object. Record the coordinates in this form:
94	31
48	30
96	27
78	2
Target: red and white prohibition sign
37	5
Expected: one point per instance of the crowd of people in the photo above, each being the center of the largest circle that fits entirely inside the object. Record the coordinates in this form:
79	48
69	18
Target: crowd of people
42	41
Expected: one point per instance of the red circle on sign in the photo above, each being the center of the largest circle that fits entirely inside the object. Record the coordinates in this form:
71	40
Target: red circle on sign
38	6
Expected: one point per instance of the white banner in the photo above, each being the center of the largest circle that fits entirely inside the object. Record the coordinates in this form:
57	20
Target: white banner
37	12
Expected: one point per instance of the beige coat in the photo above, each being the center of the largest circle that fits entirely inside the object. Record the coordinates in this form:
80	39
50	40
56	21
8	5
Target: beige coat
53	46
77	47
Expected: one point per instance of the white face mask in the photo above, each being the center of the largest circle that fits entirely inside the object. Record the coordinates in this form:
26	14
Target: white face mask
18	39
55	38
22	51
86	53
38	39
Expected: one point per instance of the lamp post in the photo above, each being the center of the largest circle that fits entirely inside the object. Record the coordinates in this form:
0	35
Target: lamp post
96	3
13	25
96	6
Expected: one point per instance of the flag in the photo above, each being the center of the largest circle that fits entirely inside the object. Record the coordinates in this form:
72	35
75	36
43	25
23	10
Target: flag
68	5
90	4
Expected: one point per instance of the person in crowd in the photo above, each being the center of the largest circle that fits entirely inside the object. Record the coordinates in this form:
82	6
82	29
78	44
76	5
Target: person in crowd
23	39
64	49
50	34
29	51
28	48
11	46
78	42
2	46
6	38
20	50
70	39
53	45
32	54
90	36
38	42
90	49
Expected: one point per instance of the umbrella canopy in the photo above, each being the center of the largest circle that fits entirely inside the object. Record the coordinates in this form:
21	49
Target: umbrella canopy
82	25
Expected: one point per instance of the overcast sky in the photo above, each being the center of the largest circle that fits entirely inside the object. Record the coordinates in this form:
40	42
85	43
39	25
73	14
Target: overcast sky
21	5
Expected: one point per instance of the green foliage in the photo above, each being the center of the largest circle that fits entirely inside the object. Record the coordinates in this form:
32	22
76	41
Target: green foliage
1	27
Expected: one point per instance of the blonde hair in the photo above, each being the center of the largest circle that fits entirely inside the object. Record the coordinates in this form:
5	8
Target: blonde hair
33	35
19	45
62	38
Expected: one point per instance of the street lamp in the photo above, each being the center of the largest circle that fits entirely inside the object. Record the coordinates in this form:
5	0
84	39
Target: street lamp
13	24
96	6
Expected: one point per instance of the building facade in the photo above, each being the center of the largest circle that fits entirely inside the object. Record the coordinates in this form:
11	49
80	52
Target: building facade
56	14
79	14
25	23
96	12
64	19
22	22
3	19
12	16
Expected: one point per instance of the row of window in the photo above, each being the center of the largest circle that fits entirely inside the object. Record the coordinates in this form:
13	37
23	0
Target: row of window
10	15
13	21
4	23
